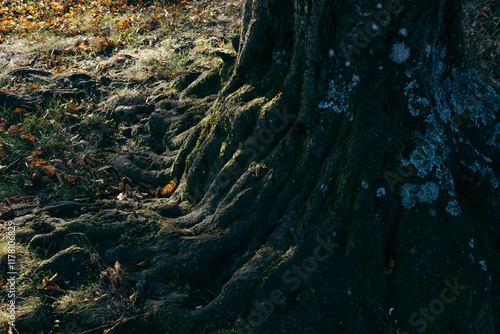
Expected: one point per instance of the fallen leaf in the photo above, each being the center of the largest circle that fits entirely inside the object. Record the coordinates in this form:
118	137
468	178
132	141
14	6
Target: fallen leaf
13	129
48	170
50	283
19	111
169	189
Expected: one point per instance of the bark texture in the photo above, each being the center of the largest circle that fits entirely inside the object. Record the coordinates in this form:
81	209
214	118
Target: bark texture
344	181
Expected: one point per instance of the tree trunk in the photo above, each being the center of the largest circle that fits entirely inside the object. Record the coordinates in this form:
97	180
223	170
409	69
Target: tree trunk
343	182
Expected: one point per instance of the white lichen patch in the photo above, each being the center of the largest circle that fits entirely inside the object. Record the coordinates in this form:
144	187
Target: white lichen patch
494	140
380	192
403	32
431	155
399	53
415	102
428	192
485	171
411	194
483	265
428	50
338	94
460	92
279	57
453	208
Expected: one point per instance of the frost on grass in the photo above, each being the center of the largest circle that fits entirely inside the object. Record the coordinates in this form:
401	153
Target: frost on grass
338	94
411	193
400	53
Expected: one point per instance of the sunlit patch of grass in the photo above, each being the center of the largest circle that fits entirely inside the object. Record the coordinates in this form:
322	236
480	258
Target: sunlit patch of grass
85	298
107	27
29	301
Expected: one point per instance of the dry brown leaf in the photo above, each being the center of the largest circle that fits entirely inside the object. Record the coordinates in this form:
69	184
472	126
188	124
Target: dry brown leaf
27	136
13	129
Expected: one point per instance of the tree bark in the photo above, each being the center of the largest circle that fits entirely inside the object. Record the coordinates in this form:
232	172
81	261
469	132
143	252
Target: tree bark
345	180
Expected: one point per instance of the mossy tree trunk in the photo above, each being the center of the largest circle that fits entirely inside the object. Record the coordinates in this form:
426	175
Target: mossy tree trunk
343	182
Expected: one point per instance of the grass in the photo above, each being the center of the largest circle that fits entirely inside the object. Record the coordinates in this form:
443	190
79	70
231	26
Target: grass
83	299
103	29
29	301
482	39
43	151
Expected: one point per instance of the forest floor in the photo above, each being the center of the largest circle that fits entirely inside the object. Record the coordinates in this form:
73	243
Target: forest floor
98	98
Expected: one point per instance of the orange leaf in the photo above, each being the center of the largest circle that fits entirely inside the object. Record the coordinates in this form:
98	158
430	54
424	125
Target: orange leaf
38	162
121	187
27	136
33	86
18	111
48	170
169	188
